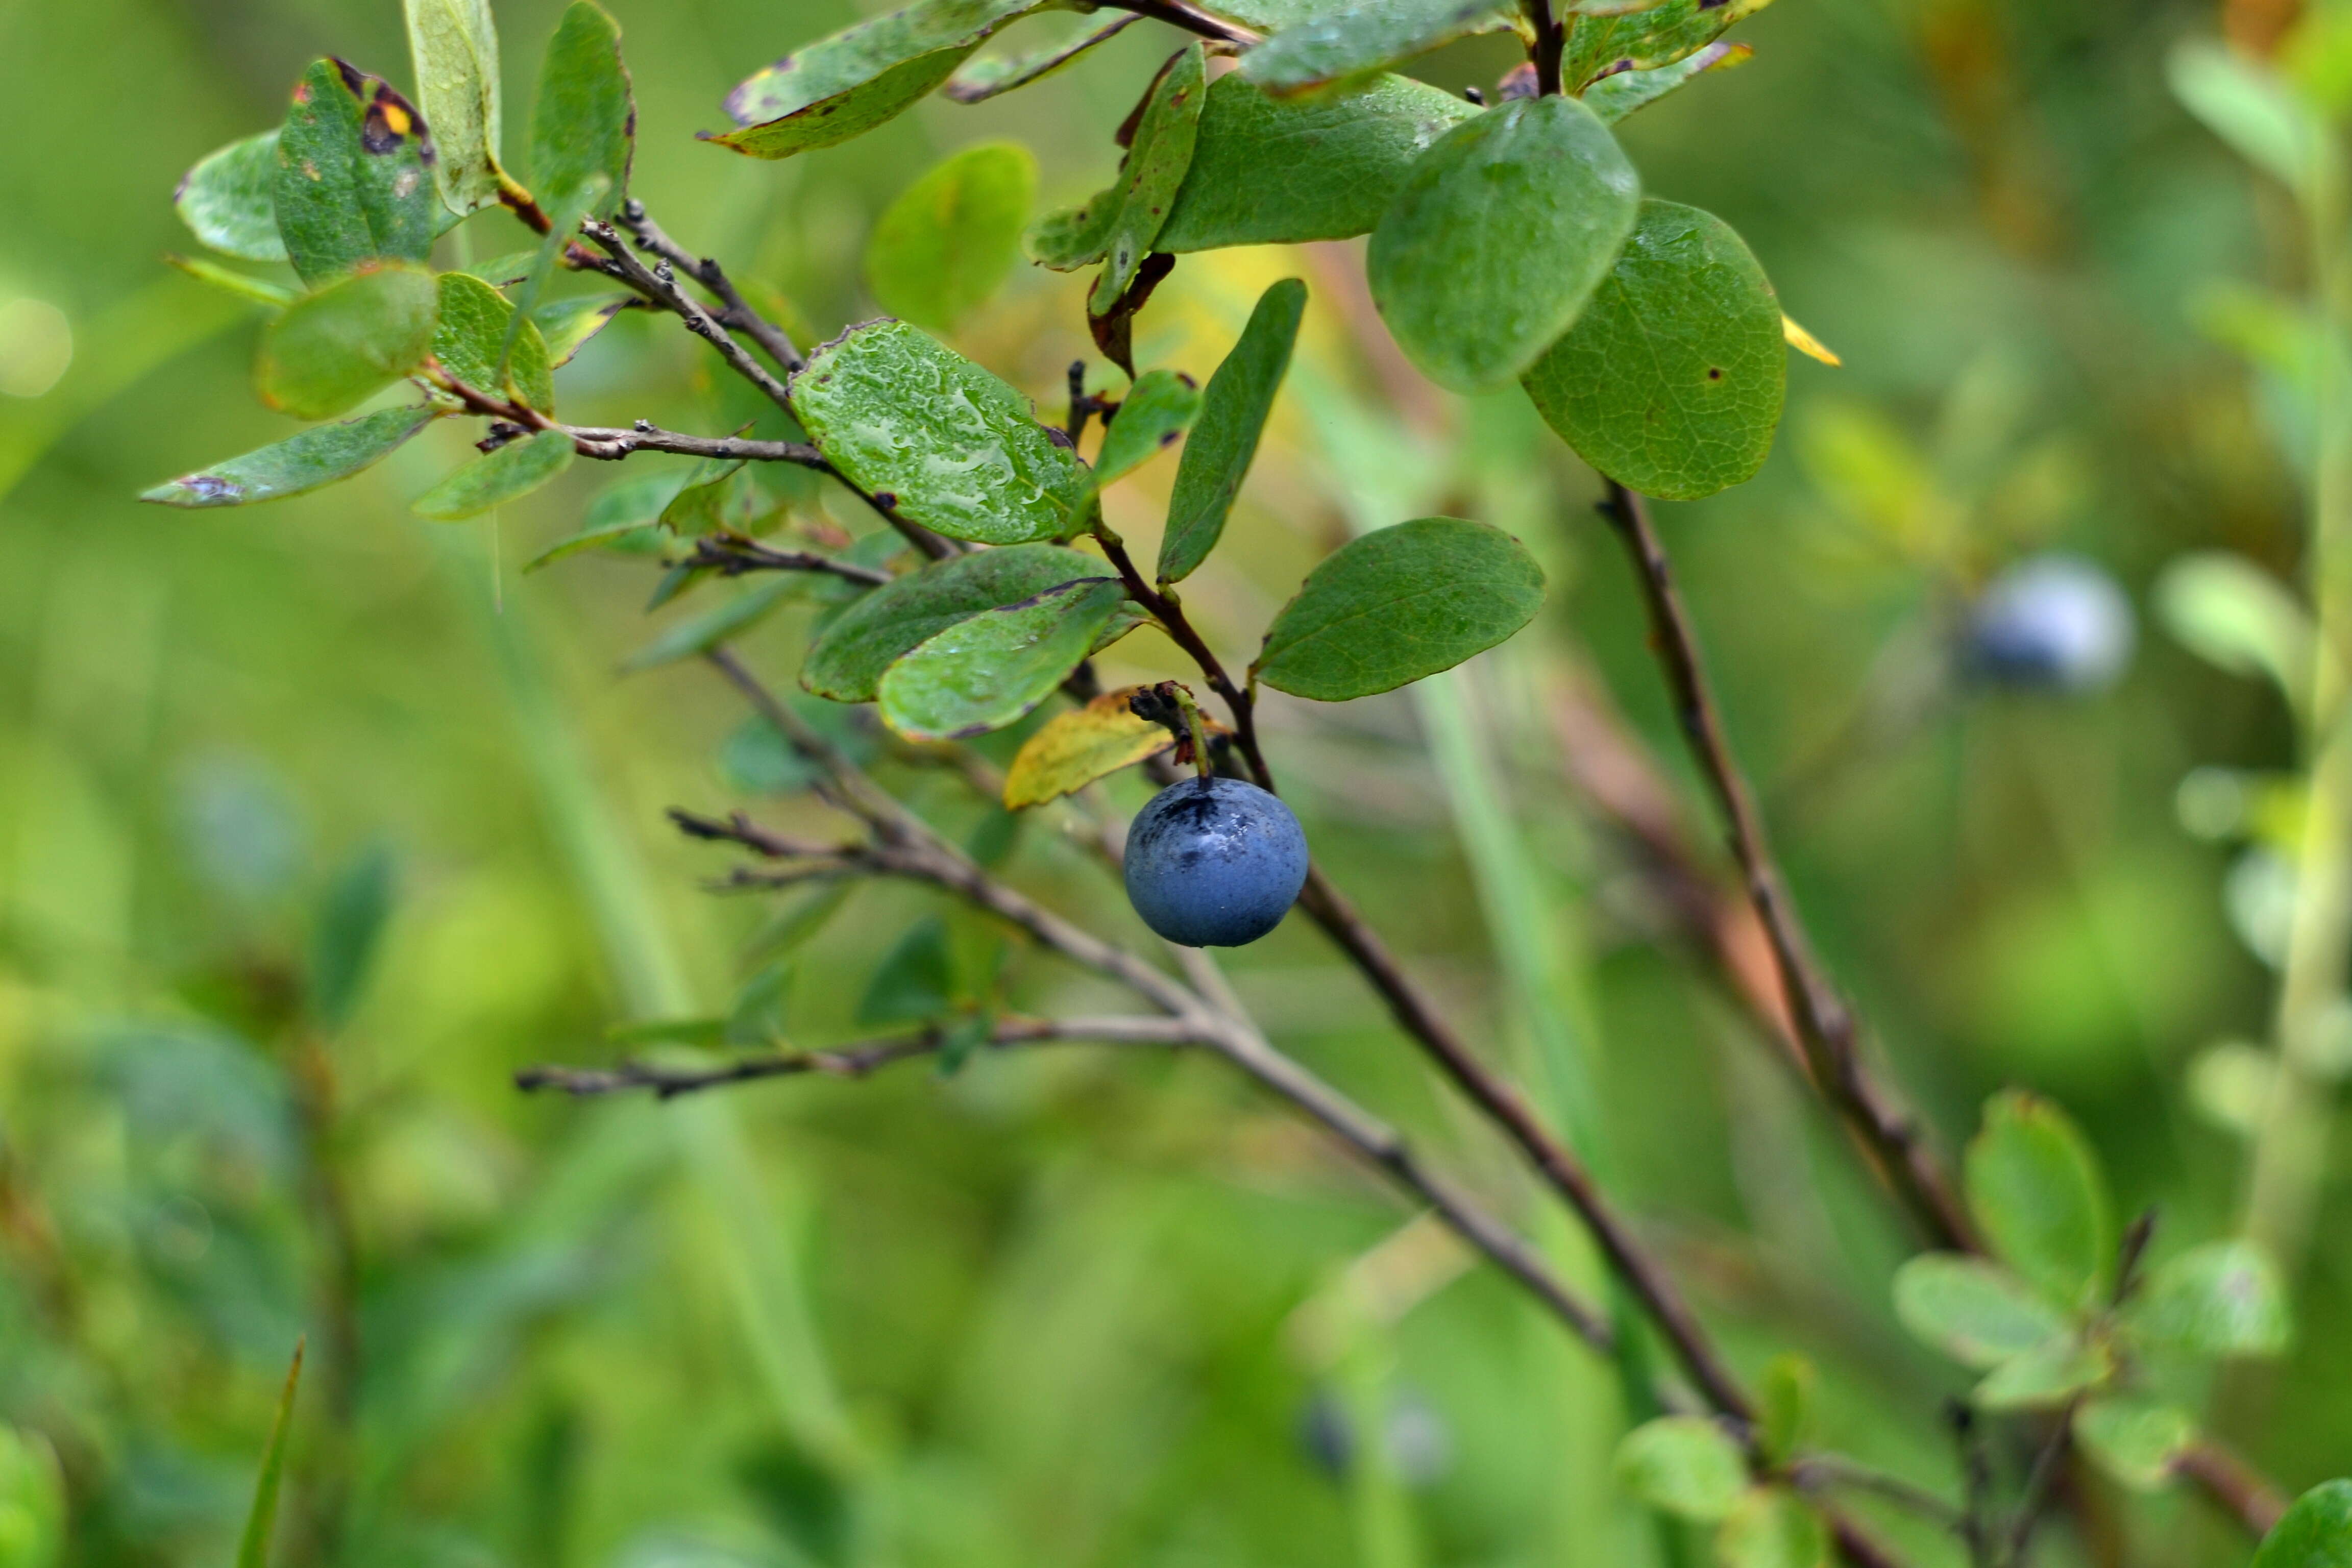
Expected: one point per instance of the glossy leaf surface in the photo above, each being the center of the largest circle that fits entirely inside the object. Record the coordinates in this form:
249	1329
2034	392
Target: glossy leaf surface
954	447
985	673
1349	46
1646	39
848	661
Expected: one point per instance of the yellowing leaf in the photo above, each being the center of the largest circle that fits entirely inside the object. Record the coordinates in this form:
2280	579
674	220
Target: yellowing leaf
1805	343
1081	746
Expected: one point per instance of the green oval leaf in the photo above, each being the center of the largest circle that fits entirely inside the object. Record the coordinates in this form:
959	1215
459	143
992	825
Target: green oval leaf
1283	172
954	447
2315	1533
2135	1440
228	201
1156	410
985	672
316	457
1773	1528
454	45
2045	1376
471	333
354	175
1785	1402
1224	439
1157	160
1670	380
1345	48
1646	39
1684	1465
271	296
848	661
496	478
1972	1310
1497	239
2236	616
846	85
2223	1299
991	75
2037	1194
334	348
1399	604
584	125
954	236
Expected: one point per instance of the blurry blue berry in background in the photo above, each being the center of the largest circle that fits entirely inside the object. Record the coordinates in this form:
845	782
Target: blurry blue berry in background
1419	1444
2053	623
1215	862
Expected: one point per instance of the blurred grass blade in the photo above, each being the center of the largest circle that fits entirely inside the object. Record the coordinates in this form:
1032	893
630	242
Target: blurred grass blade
253	1549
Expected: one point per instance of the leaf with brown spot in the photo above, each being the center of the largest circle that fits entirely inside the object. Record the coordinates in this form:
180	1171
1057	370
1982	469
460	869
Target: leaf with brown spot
1081	746
354	180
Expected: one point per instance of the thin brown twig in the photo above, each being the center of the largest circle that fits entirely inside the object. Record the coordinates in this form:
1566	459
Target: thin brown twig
731	555
1169	611
905	846
1825	1025
734	312
857	1060
1178	14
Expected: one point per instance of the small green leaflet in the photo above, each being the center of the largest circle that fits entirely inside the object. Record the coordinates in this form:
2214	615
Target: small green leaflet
954	447
1685	1465
986	671
229	203
353	181
1224	439
843	86
1157	409
454	45
1647	39
1345	48
1671	382
2315	1533
253	1546
1973	1309
701	632
991	75
1497	239
848	661
333	349
1156	165
584	126
1397	605
1614	97
496	478
316	457
2037	1194
472	333
952	237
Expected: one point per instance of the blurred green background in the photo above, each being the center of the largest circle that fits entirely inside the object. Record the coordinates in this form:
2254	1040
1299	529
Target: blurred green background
1076	1307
